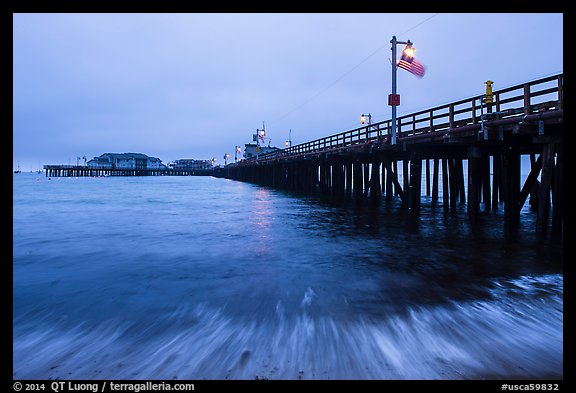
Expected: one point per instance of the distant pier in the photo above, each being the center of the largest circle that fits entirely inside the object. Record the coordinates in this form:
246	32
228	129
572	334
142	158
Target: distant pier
88	171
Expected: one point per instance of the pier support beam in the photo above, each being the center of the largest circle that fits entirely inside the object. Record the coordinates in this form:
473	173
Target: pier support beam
395	171
557	192
383	180
427	177
387	168
366	167
460	185
338	176
445	188
531	182
405	175
496	180
415	190
474	181
485	170
544	193
435	181
511	185
357	179
375	192
452	179
348	167
394	178
322	181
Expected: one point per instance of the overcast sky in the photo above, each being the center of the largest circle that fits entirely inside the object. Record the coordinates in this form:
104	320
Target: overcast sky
195	85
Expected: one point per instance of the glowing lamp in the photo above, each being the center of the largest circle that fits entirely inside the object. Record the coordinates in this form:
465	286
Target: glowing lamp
408	52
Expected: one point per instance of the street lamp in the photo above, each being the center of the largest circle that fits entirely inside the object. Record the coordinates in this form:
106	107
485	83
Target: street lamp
394	98
237	151
259	136
408	63
288	143
226	156
261	133
363	119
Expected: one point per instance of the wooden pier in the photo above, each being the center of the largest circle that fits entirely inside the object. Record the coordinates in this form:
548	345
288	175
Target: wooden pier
486	140
82	171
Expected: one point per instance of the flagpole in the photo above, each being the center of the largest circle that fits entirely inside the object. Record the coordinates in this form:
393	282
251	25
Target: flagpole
395	42
394	87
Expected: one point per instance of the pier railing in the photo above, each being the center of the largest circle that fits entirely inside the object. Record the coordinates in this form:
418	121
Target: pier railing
509	105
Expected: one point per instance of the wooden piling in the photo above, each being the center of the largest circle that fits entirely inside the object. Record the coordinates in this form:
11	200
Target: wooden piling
485	173
394	178
366	183
544	194
531	182
558	201
415	190
496	189
395	171
405	174
435	182
322	177
474	181
511	185
358	189
382	180
348	167
452	185
375	192
386	168
459	181
445	187
340	178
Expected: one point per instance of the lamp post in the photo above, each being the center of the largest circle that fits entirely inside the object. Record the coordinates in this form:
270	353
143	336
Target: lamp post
394	98
237	151
260	134
226	156
363	119
288	143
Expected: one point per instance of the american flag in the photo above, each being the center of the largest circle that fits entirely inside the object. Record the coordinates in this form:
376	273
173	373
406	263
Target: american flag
412	65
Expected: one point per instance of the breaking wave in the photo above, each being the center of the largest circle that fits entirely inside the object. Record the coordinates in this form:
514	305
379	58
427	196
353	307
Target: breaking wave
515	332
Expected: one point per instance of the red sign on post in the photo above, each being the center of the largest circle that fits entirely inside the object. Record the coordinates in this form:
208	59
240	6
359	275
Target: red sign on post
394	99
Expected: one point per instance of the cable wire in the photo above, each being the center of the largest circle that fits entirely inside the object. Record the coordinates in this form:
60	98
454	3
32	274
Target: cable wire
323	90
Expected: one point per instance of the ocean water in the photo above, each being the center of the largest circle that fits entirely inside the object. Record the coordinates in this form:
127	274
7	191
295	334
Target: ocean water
205	278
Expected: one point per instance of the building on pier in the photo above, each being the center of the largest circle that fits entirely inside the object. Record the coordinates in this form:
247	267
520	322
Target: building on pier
125	161
190	164
253	149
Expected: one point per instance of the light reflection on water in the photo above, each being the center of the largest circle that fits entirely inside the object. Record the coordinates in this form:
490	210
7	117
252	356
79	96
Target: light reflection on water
194	278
